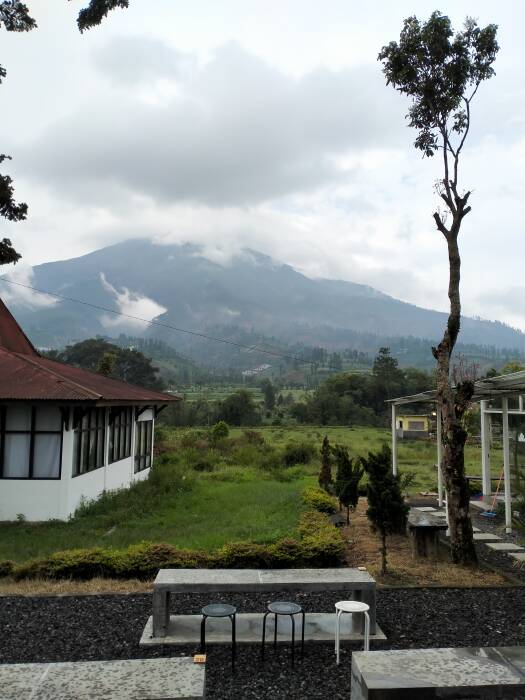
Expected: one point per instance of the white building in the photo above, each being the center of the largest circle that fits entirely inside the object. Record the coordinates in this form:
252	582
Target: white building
66	434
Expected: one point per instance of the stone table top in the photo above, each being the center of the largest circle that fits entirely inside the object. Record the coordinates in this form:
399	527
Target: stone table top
262	579
425	519
437	668
137	679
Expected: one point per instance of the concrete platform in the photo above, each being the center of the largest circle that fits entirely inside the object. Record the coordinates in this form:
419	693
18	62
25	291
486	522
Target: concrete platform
135	679
425	509
425	674
505	547
319	627
486	537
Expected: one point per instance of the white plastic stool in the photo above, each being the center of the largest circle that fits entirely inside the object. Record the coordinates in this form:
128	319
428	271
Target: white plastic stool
351	606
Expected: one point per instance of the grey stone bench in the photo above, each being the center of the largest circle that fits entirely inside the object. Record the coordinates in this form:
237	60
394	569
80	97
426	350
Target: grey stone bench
140	679
169	582
424	528
426	674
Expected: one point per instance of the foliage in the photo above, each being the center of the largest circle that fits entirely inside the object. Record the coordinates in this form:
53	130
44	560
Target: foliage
239	409
387	510
325	474
349	474
406	481
97	355
322	543
6	567
95	12
297	453
319	500
220	431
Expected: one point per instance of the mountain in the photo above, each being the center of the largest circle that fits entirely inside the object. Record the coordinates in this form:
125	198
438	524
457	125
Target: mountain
250	292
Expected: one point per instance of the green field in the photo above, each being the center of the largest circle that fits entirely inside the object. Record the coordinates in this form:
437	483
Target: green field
201	495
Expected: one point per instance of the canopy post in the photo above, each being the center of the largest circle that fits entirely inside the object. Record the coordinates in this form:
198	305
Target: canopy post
394	441
439	445
485	451
506	463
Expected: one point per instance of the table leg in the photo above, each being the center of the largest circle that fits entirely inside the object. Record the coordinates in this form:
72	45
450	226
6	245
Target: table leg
369	597
161	613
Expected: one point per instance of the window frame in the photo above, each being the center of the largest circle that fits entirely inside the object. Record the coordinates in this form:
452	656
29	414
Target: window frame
142	456
32	432
79	431
122	448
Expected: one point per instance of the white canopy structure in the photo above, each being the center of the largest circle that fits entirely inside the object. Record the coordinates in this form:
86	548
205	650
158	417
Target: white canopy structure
494	395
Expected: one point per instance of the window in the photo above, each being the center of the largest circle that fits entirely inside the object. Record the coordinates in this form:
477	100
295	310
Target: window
121	425
143	444
416	425
89	441
30	442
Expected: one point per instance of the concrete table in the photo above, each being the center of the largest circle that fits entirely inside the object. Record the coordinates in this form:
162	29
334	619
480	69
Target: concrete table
424	529
169	582
426	674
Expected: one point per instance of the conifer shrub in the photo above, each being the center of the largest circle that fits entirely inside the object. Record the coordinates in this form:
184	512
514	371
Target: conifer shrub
243	555
322	543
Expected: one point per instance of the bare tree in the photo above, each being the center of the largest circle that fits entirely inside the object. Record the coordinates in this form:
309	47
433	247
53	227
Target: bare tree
441	72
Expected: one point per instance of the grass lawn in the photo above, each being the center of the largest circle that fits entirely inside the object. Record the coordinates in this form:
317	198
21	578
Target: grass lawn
201	496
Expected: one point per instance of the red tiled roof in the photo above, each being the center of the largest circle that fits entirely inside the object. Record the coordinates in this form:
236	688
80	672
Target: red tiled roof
25	375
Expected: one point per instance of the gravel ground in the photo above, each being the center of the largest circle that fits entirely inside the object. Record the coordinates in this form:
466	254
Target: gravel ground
109	627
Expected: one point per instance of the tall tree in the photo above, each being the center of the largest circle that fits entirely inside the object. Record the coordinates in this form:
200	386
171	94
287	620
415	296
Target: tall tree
440	72
268	391
14	17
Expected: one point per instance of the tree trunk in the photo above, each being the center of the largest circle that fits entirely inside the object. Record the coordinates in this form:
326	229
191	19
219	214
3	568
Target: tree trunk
383	553
453	402
348	515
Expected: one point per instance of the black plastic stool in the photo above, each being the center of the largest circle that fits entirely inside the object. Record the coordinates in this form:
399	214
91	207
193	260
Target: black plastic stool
283	608
218	610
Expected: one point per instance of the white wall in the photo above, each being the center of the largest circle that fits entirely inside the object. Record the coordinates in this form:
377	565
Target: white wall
39	499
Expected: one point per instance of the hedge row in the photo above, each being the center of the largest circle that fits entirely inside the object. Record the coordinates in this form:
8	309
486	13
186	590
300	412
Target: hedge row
320	544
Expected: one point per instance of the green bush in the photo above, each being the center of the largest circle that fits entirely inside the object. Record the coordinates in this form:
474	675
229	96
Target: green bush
145	559
80	564
253	437
319	500
243	555
298	453
285	553
321	542
6	567
220	431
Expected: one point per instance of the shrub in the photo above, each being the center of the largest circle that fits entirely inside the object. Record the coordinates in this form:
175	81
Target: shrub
321	542
220	431
254	437
6	567
319	500
297	453
242	555
80	564
287	552
145	559
203	465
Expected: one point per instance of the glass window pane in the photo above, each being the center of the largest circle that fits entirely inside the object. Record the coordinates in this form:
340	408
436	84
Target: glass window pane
48	418
16	455
100	453
46	457
18	417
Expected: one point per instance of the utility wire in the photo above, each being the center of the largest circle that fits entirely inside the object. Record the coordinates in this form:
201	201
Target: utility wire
158	323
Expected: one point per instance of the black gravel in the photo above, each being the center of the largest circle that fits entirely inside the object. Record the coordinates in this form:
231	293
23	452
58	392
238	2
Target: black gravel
109	627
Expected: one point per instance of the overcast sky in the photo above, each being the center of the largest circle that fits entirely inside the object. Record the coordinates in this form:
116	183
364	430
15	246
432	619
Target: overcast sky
267	125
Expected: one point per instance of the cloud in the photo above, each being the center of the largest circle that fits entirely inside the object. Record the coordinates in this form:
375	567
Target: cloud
132	304
233	131
22	274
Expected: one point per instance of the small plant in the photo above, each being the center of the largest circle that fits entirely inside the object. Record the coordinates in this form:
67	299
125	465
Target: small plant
406	481
387	510
21	518
325	474
319	500
220	431
349	474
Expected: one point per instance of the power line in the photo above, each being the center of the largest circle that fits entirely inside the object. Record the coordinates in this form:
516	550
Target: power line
198	334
